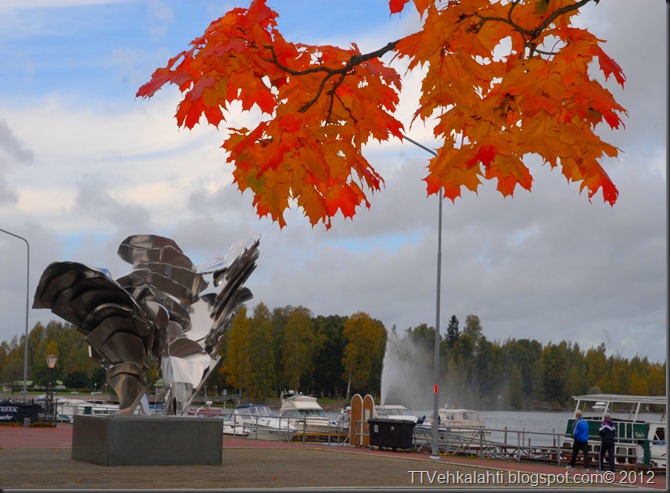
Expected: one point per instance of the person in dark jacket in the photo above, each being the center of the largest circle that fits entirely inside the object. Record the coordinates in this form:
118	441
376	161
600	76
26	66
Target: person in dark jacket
580	441
607	438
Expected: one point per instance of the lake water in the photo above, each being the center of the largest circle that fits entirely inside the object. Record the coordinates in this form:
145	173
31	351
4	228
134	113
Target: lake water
536	426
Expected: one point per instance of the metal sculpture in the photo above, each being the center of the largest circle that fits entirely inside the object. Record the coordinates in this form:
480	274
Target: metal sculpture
155	313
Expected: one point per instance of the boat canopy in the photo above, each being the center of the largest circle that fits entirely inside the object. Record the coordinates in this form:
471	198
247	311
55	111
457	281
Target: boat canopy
631	405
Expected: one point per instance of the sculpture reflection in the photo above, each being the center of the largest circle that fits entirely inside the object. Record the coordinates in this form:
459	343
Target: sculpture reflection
155	313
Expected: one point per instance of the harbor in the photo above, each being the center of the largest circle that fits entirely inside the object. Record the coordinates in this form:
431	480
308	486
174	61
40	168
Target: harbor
521	437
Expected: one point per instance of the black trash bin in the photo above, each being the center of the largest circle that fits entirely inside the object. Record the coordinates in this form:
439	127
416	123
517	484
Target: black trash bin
391	433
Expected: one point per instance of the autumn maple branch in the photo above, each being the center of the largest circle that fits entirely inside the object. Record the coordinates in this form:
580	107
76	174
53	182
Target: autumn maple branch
343	71
534	33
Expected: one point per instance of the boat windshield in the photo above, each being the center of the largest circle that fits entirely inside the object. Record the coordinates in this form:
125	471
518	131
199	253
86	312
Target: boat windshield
309	413
254	411
304	413
262	410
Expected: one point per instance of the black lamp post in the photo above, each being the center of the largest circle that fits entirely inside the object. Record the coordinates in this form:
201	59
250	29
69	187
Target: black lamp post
50	405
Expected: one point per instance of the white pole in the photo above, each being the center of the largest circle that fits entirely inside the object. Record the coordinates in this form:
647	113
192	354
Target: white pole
25	350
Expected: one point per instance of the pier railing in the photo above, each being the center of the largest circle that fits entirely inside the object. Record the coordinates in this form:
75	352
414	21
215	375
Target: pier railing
519	445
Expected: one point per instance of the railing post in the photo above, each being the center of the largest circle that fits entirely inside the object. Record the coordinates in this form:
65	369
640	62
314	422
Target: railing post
481	440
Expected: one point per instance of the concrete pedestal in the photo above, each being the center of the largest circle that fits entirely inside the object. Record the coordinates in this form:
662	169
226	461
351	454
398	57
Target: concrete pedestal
135	440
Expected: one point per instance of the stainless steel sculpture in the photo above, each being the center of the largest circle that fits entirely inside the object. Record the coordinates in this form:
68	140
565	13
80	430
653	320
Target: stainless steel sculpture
155	313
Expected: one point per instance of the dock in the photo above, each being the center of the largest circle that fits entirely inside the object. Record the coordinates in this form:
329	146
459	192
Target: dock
40	458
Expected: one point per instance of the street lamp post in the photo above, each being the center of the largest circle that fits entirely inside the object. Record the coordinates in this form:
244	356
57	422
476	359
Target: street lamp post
435	452
50	407
25	342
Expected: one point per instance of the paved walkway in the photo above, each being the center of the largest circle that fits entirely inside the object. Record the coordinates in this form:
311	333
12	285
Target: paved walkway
40	458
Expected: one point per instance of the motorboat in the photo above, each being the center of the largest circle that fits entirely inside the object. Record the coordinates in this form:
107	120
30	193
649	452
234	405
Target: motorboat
304	413
640	423
395	411
599	406
344	418
206	411
229	426
232	428
262	423
460	424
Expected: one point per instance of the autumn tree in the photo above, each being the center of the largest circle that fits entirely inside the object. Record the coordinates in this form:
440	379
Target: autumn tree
503	80
364	352
596	365
234	365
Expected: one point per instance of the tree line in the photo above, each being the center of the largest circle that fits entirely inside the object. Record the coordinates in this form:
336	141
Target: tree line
336	356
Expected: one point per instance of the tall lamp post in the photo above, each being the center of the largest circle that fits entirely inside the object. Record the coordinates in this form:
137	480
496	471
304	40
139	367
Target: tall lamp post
25	342
435	452
50	407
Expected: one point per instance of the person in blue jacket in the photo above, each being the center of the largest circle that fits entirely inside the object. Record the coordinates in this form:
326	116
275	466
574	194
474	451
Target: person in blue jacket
580	437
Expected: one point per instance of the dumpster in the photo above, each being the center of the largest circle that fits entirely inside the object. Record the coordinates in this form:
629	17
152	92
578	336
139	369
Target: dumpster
391	433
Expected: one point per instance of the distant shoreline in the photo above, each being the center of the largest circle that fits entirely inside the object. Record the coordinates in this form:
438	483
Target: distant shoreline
273	402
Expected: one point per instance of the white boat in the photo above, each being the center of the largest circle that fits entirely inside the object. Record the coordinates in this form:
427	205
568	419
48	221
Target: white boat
229	426
67	408
599	406
309	419
262	423
460	424
395	411
232	428
640	427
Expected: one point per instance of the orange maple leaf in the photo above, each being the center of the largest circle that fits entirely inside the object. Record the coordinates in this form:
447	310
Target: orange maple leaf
505	79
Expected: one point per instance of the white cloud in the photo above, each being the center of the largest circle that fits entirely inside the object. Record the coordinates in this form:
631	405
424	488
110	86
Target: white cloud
546	265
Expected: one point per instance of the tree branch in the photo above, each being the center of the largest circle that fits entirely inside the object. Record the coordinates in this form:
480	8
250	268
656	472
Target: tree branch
342	71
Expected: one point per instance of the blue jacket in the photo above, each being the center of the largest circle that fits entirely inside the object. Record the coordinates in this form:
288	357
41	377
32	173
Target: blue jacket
581	430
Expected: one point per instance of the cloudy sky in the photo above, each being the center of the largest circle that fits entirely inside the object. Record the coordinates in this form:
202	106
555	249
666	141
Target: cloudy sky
84	164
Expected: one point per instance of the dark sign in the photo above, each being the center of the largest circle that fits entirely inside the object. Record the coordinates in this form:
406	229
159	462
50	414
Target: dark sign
15	411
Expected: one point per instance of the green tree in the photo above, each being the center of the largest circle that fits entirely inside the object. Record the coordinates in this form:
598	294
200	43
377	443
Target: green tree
524	353
514	388
452	332
13	369
328	368
473	327
554	358
487	371
423	336
279	319
298	344
260	357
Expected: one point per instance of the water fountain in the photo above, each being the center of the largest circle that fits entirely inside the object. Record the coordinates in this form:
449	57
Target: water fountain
407	374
